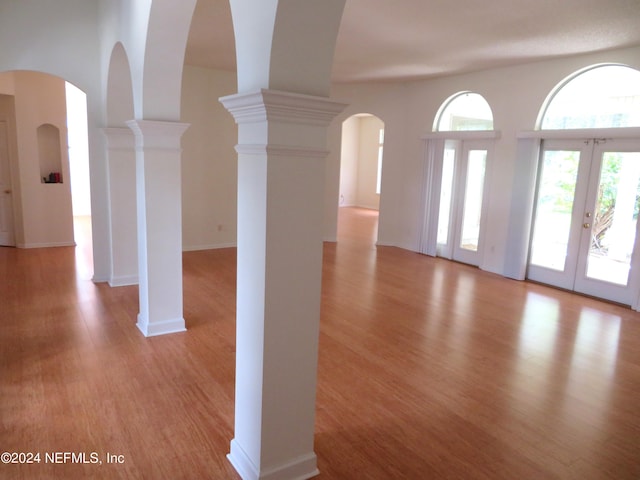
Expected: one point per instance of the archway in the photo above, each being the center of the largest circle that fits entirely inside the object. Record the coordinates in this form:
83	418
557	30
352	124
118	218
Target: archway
121	168
361	160
360	186
42	143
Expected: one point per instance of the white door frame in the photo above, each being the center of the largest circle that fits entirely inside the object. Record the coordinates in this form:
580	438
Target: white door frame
7	225
433	154
573	277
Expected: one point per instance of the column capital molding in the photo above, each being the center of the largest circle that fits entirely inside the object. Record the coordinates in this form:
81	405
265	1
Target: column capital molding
286	107
119	138
157	134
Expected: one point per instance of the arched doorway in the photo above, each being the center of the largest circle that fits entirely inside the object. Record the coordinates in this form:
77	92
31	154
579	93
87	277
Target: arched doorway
45	143
361	161
588	194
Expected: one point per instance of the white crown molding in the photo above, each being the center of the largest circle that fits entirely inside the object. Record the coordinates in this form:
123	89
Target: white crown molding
119	138
157	134
273	105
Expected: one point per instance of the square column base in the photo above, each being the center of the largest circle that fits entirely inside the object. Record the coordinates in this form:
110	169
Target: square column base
160	328
301	468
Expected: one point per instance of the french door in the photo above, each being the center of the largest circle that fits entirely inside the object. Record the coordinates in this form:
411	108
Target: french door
585	224
460	218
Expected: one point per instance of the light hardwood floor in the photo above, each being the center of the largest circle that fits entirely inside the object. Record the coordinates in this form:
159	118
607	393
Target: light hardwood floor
428	369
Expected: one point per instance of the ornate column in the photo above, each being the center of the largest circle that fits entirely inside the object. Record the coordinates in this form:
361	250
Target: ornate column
281	171
159	209
121	164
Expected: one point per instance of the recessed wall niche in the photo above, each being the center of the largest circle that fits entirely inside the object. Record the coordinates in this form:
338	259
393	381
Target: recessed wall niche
50	153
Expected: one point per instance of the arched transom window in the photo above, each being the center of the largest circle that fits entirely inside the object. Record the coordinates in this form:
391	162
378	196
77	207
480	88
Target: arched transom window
605	96
464	111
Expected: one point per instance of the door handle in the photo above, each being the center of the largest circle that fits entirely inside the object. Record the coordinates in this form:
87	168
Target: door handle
586	225
7	191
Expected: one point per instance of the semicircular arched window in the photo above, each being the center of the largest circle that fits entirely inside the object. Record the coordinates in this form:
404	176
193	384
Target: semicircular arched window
605	96
464	111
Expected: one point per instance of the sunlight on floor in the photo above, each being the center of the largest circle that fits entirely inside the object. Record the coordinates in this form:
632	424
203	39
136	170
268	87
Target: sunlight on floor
84	246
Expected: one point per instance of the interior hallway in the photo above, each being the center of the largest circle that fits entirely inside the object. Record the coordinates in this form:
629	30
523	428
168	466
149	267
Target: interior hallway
427	369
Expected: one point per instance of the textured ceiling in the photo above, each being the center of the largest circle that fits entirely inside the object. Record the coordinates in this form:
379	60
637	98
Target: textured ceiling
384	40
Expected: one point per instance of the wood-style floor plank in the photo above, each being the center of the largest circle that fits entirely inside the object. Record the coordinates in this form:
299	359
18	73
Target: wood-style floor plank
427	369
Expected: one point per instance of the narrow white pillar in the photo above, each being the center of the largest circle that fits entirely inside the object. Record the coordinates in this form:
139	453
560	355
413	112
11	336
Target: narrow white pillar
122	206
620	236
281	170
159	209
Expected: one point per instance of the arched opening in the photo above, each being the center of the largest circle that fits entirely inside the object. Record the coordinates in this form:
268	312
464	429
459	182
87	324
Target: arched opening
121	168
361	160
49	154
588	194
464	111
458	162
41	137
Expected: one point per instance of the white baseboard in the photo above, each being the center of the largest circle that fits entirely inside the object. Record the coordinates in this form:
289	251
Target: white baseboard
300	468
123	280
194	248
46	244
151	329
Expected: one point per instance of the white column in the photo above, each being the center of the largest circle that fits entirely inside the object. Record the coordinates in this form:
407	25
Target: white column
159	210
281	170
122	206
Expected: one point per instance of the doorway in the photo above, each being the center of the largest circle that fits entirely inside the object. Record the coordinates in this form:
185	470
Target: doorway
585	221
7	234
460	216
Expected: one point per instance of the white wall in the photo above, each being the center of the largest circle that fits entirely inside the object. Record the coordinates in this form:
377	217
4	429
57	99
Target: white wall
387	102
209	160
46	216
349	154
407	110
62	38
515	94
359	161
370	127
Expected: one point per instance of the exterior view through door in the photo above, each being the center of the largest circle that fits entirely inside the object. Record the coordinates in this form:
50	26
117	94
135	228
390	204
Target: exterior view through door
585	219
584	234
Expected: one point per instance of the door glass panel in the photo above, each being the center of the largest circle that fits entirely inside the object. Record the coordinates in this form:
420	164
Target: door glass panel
613	231
446	190
473	200
554	208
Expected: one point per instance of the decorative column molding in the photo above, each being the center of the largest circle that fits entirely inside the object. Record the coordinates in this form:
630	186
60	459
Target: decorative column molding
263	105
159	220
158	134
281	170
119	138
